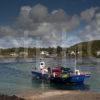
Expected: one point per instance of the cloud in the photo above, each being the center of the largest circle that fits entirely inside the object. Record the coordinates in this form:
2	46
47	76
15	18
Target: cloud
32	19
38	22
6	31
36	26
24	22
39	13
92	30
89	14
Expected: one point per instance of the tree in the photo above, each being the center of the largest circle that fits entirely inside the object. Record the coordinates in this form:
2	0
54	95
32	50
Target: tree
50	50
59	50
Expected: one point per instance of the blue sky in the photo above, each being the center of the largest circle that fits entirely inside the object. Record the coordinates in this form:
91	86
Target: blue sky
10	8
48	22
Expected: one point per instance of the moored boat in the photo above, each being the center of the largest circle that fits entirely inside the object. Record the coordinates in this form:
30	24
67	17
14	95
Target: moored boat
59	74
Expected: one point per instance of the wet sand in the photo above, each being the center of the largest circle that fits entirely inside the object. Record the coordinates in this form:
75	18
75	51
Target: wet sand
61	95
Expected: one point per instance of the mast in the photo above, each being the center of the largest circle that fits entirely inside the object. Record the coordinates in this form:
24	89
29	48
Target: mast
75	59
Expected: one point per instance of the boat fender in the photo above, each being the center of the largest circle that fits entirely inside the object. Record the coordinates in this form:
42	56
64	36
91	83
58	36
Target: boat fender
65	76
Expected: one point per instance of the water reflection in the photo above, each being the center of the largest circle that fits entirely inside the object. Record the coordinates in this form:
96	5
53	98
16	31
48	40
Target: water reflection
83	87
52	86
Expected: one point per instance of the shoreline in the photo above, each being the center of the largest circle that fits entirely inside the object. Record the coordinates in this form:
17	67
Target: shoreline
60	95
8	97
53	95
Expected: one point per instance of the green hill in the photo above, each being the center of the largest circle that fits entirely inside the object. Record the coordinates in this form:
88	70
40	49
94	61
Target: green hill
90	48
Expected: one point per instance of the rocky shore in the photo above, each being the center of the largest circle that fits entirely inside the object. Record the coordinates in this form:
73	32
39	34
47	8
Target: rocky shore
6	97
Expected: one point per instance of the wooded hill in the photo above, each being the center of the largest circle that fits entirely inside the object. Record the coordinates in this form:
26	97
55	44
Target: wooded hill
90	48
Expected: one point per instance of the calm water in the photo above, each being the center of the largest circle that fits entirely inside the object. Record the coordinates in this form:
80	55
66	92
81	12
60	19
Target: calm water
15	75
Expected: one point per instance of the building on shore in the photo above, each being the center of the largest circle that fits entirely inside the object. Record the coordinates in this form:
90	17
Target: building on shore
13	54
98	53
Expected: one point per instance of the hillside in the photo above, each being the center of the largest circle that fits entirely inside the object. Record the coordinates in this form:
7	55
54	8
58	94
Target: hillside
90	48
85	49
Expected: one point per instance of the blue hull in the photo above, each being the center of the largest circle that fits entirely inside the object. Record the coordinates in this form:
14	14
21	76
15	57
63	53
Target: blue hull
77	79
38	75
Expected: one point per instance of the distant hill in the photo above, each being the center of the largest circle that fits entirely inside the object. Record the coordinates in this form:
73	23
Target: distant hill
85	49
90	48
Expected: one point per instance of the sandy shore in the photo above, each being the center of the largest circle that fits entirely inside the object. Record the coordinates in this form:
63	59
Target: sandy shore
61	95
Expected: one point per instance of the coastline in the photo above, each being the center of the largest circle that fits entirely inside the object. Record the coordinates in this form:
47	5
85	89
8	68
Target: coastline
13	97
60	95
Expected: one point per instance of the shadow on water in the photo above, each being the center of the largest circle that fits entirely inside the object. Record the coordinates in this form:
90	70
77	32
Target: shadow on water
82	87
55	86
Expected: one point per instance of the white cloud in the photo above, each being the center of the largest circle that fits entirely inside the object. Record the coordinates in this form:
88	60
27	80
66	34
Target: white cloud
49	28
92	30
88	14
6	31
38	13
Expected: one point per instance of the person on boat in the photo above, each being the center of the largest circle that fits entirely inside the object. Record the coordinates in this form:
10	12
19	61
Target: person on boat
43	69
42	65
77	72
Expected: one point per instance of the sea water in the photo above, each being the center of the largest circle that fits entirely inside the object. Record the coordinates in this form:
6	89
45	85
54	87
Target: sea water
16	78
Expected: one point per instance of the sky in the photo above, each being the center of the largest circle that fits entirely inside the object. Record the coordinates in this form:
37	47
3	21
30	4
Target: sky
44	23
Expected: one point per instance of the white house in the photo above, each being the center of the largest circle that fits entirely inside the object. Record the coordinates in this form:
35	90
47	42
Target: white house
14	54
24	53
44	53
98	53
72	53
